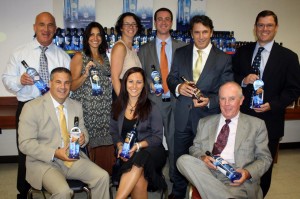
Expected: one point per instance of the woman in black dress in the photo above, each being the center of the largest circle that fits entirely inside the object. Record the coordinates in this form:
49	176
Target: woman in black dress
147	155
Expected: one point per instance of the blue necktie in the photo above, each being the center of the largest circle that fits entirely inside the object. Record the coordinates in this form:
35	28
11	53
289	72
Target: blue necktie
256	62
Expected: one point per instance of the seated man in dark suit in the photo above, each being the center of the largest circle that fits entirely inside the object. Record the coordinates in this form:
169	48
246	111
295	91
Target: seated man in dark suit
246	149
44	139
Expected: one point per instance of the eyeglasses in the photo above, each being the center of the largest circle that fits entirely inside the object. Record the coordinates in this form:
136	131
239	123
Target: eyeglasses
167	19
262	26
132	25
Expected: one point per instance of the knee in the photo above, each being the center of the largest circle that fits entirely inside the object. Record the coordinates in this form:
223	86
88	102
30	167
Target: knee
182	159
63	192
103	176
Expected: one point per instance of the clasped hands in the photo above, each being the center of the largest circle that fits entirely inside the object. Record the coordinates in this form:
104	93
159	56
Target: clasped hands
61	153
188	91
245	174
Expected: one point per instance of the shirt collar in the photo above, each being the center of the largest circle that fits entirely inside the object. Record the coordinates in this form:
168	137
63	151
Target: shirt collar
158	41
56	104
234	119
205	50
37	45
267	47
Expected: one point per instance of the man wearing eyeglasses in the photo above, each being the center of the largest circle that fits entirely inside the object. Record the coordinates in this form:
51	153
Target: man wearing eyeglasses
150	54
279	70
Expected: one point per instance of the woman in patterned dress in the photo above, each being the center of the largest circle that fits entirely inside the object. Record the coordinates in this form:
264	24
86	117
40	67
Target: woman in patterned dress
91	85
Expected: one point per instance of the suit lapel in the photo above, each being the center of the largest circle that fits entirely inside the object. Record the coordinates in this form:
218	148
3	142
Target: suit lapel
49	107
213	131
189	62
71	114
209	65
272	61
241	132
153	54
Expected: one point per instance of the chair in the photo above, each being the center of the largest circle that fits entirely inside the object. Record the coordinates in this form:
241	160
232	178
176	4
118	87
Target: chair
76	185
193	192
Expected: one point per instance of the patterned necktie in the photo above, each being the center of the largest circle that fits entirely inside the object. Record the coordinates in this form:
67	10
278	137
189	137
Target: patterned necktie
222	139
64	130
164	66
43	71
256	62
198	65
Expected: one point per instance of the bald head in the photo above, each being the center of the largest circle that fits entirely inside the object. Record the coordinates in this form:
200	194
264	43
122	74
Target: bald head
44	28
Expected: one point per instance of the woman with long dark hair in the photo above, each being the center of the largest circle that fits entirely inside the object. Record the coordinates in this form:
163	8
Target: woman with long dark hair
91	86
147	155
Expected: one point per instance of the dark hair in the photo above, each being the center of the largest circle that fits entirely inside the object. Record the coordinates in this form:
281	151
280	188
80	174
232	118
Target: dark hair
205	20
87	33
266	13
163	9
60	70
143	106
119	22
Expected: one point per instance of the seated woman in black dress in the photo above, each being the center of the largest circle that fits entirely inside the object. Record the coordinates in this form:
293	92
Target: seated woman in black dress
147	155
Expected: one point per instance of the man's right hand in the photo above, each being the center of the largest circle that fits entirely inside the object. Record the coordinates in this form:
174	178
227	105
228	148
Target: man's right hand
209	162
26	79
61	153
186	90
249	79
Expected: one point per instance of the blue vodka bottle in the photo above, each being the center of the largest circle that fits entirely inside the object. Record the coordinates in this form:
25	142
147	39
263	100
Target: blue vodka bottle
225	168
156	79
38	81
128	143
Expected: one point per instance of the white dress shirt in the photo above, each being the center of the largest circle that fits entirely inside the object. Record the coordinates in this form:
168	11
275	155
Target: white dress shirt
31	52
228	152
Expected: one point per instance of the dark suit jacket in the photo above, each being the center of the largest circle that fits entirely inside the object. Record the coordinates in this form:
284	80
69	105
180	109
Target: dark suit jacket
150	130
250	150
148	57
39	135
282	84
217	70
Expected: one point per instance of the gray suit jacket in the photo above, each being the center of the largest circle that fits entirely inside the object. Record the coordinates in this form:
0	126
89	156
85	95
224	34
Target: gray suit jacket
148	57
250	151
40	136
217	70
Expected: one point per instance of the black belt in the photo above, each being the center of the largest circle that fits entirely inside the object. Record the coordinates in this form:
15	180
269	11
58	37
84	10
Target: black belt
166	99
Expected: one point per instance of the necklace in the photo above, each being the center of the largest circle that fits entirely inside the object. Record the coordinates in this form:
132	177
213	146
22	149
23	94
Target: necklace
132	107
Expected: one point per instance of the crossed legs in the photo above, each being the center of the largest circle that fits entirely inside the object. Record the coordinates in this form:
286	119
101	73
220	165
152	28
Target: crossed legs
134	183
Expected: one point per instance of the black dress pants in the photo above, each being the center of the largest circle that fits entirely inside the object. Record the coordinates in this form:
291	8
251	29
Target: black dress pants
22	185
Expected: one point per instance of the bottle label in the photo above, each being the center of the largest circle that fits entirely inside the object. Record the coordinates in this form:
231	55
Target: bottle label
74	146
95	82
225	168
157	82
258	94
128	143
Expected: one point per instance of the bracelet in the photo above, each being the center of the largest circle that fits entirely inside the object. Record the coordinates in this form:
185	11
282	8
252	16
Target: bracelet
138	146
